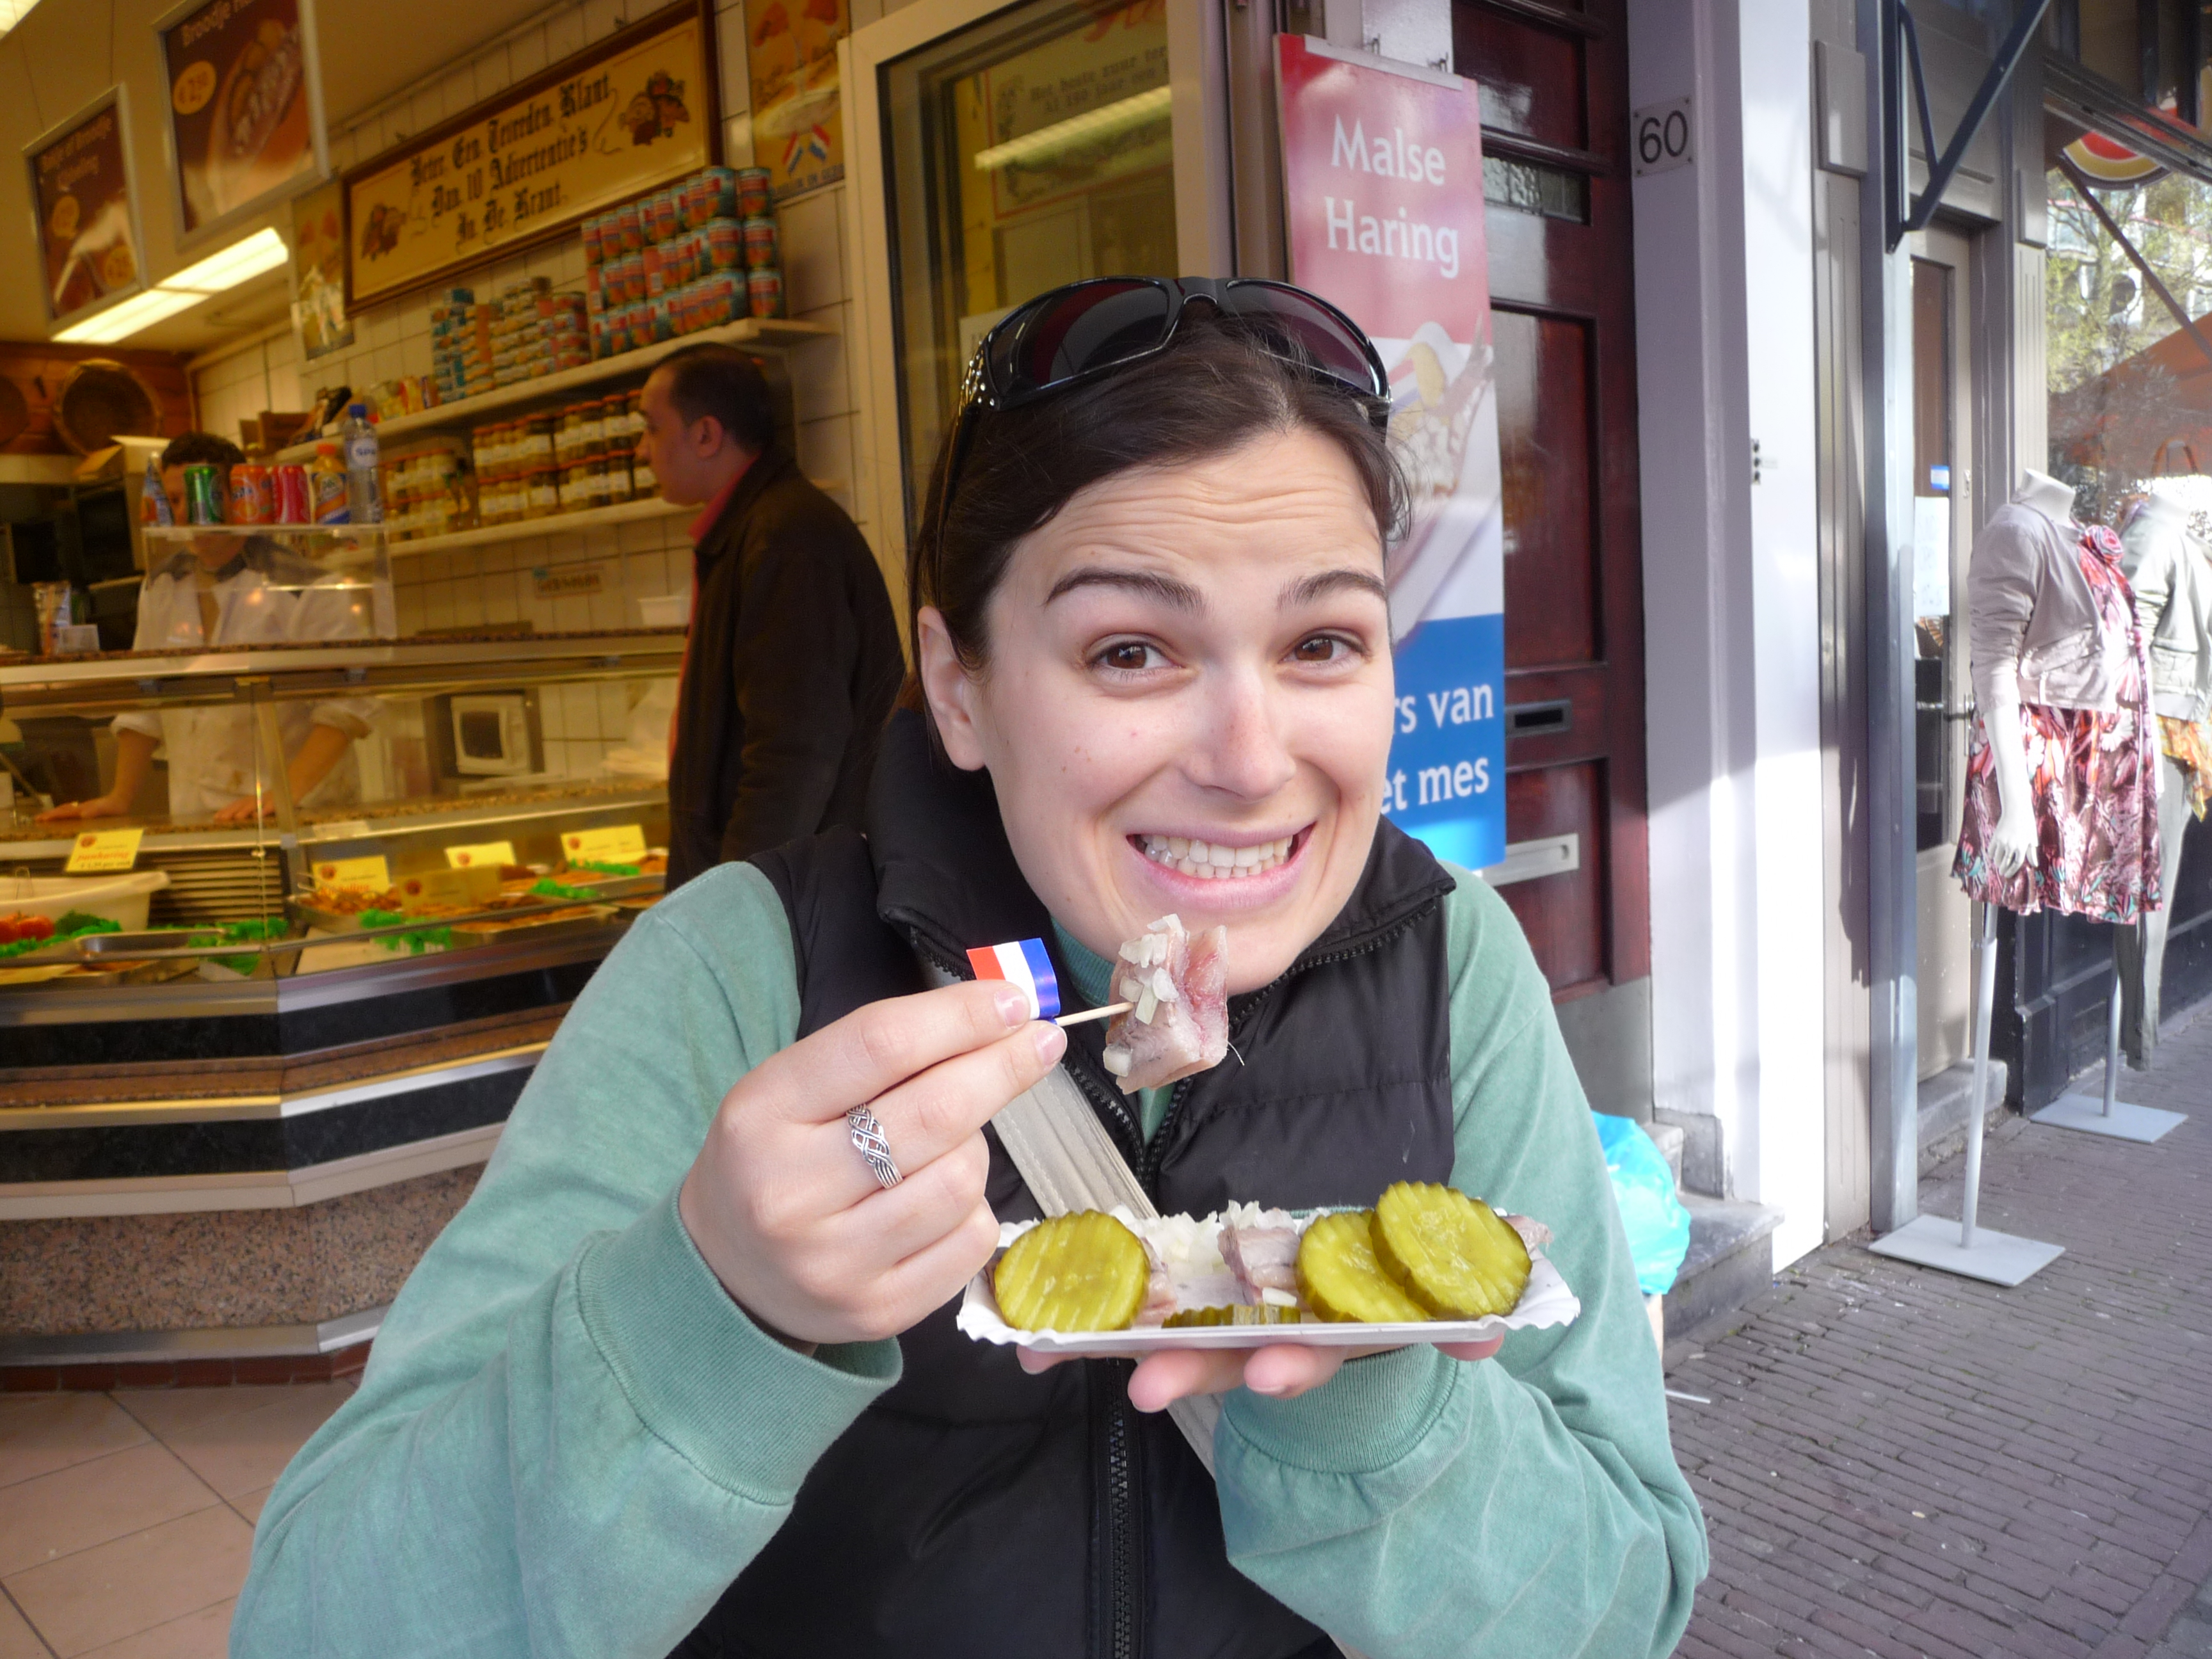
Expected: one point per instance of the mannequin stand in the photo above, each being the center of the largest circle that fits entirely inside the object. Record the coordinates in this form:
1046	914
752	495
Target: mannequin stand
2109	1116
1959	1247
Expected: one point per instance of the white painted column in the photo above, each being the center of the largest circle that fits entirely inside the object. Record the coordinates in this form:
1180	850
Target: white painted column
1724	349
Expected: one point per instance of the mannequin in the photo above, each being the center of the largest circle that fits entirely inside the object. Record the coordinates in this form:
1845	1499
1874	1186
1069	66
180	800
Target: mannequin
2057	787
2171	570
2014	841
2061	677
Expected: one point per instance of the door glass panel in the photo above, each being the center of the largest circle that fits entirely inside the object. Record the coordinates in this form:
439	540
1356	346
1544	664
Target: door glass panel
1030	150
1933	443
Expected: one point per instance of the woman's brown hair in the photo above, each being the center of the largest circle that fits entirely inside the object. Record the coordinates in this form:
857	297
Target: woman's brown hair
1219	384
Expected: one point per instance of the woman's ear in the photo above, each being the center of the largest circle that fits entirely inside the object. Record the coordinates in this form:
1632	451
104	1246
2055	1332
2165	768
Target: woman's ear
950	689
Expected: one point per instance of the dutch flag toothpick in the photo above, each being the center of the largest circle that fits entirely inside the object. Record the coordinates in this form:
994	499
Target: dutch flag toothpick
1024	963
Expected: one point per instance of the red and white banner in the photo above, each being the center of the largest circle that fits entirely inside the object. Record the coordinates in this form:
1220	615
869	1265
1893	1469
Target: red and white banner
1383	208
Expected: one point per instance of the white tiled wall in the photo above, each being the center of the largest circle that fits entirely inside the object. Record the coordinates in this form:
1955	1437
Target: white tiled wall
489	585
394	339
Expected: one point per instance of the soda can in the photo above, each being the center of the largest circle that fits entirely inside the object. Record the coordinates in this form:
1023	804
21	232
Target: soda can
752	192
760	244
764	292
629	229
656	272
203	493
294	504
251	498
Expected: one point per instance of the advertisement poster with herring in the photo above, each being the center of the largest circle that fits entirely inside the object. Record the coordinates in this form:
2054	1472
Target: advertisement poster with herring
88	238
791	59
1383	213
245	119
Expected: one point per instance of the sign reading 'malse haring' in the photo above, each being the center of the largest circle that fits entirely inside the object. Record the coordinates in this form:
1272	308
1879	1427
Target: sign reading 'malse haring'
596	129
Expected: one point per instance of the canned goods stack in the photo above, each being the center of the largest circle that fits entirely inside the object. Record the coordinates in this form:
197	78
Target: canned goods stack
460	345
683	258
426	488
537	332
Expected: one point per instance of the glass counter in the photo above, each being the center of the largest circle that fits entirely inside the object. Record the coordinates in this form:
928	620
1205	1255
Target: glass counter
333	807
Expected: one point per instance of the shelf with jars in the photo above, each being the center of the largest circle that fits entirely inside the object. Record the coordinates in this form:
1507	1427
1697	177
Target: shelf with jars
752	333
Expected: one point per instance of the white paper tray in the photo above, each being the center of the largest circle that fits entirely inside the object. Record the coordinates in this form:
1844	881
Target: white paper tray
1546	1301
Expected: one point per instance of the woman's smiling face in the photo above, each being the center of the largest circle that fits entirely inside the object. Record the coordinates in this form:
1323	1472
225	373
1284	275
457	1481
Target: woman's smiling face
1186	704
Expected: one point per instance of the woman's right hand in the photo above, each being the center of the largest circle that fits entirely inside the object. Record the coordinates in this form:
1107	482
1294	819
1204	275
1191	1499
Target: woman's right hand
100	807
788	1214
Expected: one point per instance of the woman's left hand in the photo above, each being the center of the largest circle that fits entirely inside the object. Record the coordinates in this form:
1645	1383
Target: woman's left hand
1281	1371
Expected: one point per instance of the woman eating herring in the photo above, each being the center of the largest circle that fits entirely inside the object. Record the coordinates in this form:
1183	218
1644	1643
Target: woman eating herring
683	1377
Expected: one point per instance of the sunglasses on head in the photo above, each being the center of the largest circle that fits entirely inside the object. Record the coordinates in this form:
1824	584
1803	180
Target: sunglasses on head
1090	330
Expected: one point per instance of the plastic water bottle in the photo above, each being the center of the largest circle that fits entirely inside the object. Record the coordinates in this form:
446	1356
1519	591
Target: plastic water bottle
364	483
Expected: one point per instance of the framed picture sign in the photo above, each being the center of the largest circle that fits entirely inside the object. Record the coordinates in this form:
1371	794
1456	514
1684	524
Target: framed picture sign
246	108
90	250
601	126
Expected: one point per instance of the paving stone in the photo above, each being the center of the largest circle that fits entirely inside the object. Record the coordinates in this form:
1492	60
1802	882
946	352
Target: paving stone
1907	1465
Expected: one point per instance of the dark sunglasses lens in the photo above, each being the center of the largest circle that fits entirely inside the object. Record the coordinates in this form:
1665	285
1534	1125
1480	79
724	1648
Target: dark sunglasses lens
1335	346
1088	326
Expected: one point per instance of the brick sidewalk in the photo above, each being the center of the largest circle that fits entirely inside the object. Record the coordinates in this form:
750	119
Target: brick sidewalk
1902	1463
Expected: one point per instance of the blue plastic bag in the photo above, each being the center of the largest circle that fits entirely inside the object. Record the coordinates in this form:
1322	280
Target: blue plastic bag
1658	1226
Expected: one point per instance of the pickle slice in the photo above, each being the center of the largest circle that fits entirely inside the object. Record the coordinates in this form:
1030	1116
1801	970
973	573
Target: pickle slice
1084	1272
1234	1314
1451	1252
1340	1279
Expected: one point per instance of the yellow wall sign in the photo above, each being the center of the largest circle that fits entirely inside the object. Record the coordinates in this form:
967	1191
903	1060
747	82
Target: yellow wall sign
493	852
354	872
597	128
104	852
620	843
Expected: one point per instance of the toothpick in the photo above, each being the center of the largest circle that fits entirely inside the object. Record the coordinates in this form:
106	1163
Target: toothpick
1107	1012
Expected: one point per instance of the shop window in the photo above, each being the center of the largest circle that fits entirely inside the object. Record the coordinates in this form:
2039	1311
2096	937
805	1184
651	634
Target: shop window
2131	390
1032	149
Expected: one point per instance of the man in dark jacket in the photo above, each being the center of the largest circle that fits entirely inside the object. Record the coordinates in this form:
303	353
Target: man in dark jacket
793	656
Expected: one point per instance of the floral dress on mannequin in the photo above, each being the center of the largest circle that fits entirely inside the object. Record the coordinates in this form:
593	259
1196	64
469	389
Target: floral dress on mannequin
2092	776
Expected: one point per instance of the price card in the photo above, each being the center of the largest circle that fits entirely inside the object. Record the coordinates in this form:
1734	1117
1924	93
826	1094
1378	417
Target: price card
104	852
371	872
621	843
493	853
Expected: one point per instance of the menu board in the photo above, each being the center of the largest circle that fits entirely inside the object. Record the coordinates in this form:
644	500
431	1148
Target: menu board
88	227
791	58
603	126
244	106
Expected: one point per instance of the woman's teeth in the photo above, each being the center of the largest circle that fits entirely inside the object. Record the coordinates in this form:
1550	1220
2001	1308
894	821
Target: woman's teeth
1211	861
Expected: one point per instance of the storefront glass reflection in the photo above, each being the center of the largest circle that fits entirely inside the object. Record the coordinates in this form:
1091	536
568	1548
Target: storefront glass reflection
1030	150
2131	388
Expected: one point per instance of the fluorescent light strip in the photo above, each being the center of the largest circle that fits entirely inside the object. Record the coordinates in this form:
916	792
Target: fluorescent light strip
263	251
140	311
1086	128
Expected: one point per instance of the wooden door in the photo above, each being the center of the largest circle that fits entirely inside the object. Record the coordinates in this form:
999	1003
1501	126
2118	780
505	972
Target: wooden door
1554	82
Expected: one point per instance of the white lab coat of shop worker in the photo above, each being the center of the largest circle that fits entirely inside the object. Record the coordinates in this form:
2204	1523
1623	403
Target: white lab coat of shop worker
268	595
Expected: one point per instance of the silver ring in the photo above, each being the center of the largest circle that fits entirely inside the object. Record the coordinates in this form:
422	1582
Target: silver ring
868	1140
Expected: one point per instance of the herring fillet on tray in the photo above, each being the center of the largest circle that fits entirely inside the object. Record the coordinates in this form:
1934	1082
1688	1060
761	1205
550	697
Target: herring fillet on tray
1179	982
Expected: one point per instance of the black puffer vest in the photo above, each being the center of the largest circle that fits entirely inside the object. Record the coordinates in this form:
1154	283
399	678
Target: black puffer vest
974	1510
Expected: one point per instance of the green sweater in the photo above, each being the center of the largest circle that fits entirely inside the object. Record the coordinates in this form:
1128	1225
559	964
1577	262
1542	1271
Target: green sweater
570	1440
